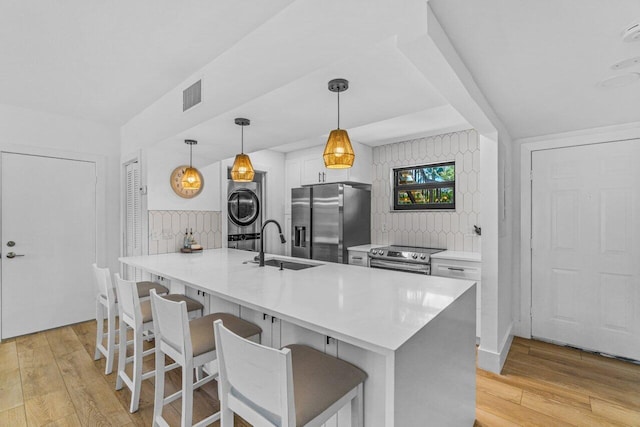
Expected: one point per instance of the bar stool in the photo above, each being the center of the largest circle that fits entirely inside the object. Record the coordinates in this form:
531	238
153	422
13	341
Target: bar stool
295	386
107	307
136	314
191	344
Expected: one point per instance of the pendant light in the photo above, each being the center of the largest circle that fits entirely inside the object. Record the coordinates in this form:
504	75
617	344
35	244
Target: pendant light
191	177
242	169
338	153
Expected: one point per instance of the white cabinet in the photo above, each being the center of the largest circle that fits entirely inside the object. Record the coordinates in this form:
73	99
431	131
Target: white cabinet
360	258
314	171
270	326
461	265
306	167
199	296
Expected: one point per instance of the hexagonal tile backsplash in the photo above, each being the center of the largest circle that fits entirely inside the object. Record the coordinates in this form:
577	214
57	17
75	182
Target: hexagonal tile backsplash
166	229
450	230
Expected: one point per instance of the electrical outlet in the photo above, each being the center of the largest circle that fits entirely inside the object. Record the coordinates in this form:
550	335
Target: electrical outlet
384	227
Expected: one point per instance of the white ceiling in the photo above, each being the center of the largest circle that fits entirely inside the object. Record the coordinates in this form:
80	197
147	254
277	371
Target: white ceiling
539	62
106	61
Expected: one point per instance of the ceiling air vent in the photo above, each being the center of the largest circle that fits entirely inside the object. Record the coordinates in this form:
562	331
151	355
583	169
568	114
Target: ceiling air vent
192	95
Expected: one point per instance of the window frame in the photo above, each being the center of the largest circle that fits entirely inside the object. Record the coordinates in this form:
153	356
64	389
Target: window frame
397	188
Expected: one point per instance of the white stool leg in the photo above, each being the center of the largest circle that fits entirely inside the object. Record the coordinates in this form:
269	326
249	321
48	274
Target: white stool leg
122	354
137	370
158	397
187	393
357	408
226	414
99	329
111	339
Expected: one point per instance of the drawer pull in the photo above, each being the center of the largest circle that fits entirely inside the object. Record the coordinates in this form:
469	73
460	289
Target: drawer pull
357	257
456	268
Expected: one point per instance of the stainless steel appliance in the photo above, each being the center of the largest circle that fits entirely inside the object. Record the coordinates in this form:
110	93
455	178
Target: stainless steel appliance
244	214
404	258
327	219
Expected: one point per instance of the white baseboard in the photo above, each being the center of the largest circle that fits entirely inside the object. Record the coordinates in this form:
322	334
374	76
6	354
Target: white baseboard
492	361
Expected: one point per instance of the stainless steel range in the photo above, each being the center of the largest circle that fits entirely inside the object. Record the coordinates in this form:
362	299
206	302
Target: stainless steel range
412	259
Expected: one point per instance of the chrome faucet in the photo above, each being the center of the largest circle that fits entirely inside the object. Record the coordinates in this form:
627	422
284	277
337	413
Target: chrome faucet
282	239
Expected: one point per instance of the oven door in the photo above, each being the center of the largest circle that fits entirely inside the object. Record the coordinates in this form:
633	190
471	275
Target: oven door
400	266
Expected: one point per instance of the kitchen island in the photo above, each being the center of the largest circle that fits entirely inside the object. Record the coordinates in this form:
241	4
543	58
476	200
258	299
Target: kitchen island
413	334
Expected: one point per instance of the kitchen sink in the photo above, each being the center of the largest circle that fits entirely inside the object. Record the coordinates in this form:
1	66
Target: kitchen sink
288	264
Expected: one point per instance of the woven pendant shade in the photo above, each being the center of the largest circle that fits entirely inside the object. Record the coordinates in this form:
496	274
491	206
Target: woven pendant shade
191	179
242	169
338	153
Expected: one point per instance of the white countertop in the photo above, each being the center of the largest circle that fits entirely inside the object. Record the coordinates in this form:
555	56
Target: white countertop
364	248
373	308
458	256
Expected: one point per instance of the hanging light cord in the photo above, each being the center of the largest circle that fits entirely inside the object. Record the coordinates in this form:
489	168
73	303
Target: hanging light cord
190	155
242	139
338	110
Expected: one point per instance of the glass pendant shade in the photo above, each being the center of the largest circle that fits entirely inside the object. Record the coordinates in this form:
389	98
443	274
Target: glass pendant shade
191	179
338	153
242	169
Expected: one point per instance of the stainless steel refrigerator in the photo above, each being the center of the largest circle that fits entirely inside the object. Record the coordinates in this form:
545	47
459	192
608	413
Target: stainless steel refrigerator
327	219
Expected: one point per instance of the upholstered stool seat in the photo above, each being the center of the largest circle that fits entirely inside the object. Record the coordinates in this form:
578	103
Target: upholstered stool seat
319	380
192	305
202	335
294	386
145	287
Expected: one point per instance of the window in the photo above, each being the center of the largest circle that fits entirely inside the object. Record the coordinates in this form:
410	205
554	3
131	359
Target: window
425	187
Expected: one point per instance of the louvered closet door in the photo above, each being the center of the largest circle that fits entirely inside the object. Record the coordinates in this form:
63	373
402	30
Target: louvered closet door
133	229
586	247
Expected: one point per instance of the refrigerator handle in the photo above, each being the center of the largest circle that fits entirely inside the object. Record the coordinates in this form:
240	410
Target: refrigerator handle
300	238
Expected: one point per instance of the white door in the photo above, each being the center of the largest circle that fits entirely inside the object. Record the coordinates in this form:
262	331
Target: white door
49	213
133	220
586	247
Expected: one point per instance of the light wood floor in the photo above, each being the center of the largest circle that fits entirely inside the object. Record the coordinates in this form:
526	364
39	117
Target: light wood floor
50	379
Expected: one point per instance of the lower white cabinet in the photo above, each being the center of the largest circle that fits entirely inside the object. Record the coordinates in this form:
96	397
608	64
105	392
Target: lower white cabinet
360	258
270	326
461	265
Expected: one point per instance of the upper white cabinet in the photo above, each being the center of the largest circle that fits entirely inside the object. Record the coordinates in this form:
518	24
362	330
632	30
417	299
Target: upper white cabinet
313	170
306	167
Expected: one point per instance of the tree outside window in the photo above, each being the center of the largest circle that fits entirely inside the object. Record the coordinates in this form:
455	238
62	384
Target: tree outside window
425	187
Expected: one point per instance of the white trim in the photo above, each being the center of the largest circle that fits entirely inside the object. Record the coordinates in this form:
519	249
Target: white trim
528	146
492	361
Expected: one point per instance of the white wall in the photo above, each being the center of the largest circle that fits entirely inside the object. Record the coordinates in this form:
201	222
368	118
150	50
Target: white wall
29	129
450	230
438	60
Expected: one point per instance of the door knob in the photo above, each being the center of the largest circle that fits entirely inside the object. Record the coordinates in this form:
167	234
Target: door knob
13	255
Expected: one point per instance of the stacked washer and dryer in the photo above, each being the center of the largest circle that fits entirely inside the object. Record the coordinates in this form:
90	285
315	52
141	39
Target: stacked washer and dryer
244	213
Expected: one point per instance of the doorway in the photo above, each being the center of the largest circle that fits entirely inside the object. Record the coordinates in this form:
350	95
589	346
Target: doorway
585	230
48	242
